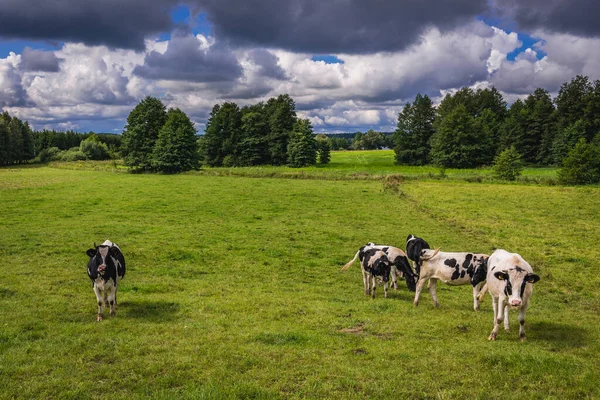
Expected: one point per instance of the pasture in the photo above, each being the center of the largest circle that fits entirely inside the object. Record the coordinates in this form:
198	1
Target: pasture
234	289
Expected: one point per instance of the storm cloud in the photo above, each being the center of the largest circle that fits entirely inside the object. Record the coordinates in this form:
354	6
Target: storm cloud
114	23
337	26
185	60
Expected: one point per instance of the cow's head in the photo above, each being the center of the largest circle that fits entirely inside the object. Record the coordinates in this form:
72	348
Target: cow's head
480	267
516	283
99	258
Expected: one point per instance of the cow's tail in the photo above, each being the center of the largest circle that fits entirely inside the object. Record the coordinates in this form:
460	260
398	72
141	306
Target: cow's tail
425	257
349	263
482	292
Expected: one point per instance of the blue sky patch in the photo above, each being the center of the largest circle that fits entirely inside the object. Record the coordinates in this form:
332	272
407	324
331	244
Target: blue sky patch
17	46
329	59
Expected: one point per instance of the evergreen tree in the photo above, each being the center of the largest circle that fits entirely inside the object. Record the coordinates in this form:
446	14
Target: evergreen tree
302	148
323	149
143	124
255	130
176	147
281	115
220	145
508	164
512	129
492	100
4	142
457	143
28	143
414	131
15	147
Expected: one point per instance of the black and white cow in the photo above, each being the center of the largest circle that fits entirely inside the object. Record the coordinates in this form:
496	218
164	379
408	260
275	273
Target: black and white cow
451	268
106	268
400	264
414	246
509	281
375	267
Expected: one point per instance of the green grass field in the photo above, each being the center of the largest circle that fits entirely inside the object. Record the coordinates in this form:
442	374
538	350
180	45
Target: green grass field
234	288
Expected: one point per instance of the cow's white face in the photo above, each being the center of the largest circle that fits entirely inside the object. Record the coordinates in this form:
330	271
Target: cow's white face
517	288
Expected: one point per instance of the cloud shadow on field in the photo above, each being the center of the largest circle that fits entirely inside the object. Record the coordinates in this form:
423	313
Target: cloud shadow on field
154	311
560	335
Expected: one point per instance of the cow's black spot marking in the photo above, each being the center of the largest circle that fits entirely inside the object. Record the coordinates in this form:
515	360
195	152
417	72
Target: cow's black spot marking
467	261
519	269
508	288
462	273
450	262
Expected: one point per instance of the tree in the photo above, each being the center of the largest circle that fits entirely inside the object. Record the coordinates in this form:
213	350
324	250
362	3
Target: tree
143	124
373	140
357	141
4	142
414	130
94	149
508	164
457	143
302	148
15	147
176	149
220	145
281	116
323	149
255	130
582	164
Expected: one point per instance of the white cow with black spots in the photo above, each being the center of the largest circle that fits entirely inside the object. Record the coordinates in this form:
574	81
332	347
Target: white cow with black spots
510	282
106	268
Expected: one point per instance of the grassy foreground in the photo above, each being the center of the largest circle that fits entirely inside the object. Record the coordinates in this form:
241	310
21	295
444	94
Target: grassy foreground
233	289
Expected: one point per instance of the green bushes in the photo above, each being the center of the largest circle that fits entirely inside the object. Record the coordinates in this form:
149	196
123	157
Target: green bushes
508	165
582	165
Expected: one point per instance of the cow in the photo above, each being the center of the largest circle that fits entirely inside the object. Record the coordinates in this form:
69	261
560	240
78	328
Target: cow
400	265
414	246
375	266
106	268
451	268
510	282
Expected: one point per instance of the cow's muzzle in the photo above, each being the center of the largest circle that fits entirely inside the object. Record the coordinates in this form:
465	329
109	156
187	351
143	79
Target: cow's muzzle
101	269
515	303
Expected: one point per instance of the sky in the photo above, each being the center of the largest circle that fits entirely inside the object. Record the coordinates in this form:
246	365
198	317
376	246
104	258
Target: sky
350	65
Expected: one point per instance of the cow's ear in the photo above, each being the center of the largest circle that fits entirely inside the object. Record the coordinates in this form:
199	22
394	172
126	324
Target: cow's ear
91	252
501	275
532	278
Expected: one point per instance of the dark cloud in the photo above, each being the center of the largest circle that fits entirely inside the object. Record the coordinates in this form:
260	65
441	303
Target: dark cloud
114	23
268	63
335	26
185	61
38	60
577	17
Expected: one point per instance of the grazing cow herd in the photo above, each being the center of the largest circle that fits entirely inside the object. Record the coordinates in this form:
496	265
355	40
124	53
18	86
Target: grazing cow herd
507	276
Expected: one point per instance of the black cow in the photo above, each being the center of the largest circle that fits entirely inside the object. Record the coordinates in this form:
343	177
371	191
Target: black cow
414	246
106	268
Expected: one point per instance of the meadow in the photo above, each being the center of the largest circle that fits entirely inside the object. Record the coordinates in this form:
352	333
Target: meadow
234	288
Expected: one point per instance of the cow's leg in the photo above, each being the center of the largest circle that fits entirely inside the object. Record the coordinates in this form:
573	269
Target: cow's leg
476	291
497	306
374	282
431	286
366	282
522	322
395	273
385	289
418	289
100	300
506	315
112	296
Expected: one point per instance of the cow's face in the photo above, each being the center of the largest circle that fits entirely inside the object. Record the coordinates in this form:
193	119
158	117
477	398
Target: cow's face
411	284
517	280
480	266
100	260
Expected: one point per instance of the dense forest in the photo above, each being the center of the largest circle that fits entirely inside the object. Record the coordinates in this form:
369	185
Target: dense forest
468	129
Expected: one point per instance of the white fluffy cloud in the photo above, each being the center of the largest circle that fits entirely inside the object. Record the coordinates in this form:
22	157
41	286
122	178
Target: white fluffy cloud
96	83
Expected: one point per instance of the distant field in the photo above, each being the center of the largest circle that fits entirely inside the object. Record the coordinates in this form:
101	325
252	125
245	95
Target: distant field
233	287
362	164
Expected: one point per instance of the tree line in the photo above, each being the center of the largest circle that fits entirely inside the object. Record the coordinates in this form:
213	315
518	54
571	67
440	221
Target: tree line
471	128
266	133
